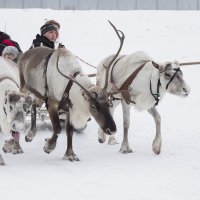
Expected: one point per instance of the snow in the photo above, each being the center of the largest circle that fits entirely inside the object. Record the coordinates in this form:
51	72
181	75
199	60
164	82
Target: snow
103	172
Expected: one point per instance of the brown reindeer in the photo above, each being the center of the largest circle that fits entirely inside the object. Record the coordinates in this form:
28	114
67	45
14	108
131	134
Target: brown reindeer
50	75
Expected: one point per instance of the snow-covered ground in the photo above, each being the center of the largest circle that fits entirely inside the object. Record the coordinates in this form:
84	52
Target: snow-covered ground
103	173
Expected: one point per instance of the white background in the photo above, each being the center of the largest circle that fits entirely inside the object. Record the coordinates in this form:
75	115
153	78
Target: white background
103	172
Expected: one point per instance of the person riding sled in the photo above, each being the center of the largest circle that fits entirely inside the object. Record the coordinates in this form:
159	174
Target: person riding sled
10	53
49	35
5	40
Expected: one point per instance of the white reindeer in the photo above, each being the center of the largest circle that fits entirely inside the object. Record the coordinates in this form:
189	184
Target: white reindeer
13	106
147	83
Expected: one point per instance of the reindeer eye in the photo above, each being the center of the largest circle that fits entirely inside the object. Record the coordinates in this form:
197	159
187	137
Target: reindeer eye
94	95
5	101
94	108
167	75
11	108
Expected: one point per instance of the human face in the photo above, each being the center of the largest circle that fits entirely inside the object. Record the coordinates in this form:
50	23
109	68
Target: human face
51	35
9	56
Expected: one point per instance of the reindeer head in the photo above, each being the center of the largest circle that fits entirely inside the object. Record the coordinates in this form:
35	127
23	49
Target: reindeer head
99	104
16	106
171	77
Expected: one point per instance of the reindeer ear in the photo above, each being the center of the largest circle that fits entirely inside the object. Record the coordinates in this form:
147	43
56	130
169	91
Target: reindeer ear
155	65
176	62
29	100
30	96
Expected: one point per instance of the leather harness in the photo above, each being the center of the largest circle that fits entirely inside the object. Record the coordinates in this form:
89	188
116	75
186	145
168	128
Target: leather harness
65	102
125	86
127	83
45	77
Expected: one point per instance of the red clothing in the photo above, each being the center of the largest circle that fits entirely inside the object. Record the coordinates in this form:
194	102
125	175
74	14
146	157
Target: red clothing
7	42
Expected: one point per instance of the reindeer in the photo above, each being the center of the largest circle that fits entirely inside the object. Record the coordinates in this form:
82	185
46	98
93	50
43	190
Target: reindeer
49	75
146	83
14	106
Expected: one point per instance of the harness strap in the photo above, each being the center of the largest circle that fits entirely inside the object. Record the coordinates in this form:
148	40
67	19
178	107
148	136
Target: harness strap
7	77
45	76
127	83
176	71
157	95
65	102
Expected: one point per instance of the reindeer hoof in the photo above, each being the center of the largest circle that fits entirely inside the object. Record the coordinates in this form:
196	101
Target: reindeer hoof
28	139
157	146
17	151
30	135
71	156
4	150
112	141
156	150
47	150
126	150
8	146
2	164
49	147
101	140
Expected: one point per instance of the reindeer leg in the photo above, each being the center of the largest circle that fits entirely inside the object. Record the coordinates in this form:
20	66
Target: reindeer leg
17	148
32	130
9	146
126	122
112	140
1	161
69	155
158	140
50	143
101	136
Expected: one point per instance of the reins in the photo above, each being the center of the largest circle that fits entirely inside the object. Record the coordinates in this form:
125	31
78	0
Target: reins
189	63
45	77
65	102
86	62
156	95
171	79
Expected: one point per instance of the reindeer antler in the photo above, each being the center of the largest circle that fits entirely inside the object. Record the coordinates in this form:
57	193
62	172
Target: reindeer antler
121	38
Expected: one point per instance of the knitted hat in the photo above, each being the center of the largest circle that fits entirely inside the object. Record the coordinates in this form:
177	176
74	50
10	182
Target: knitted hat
12	50
47	27
55	23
